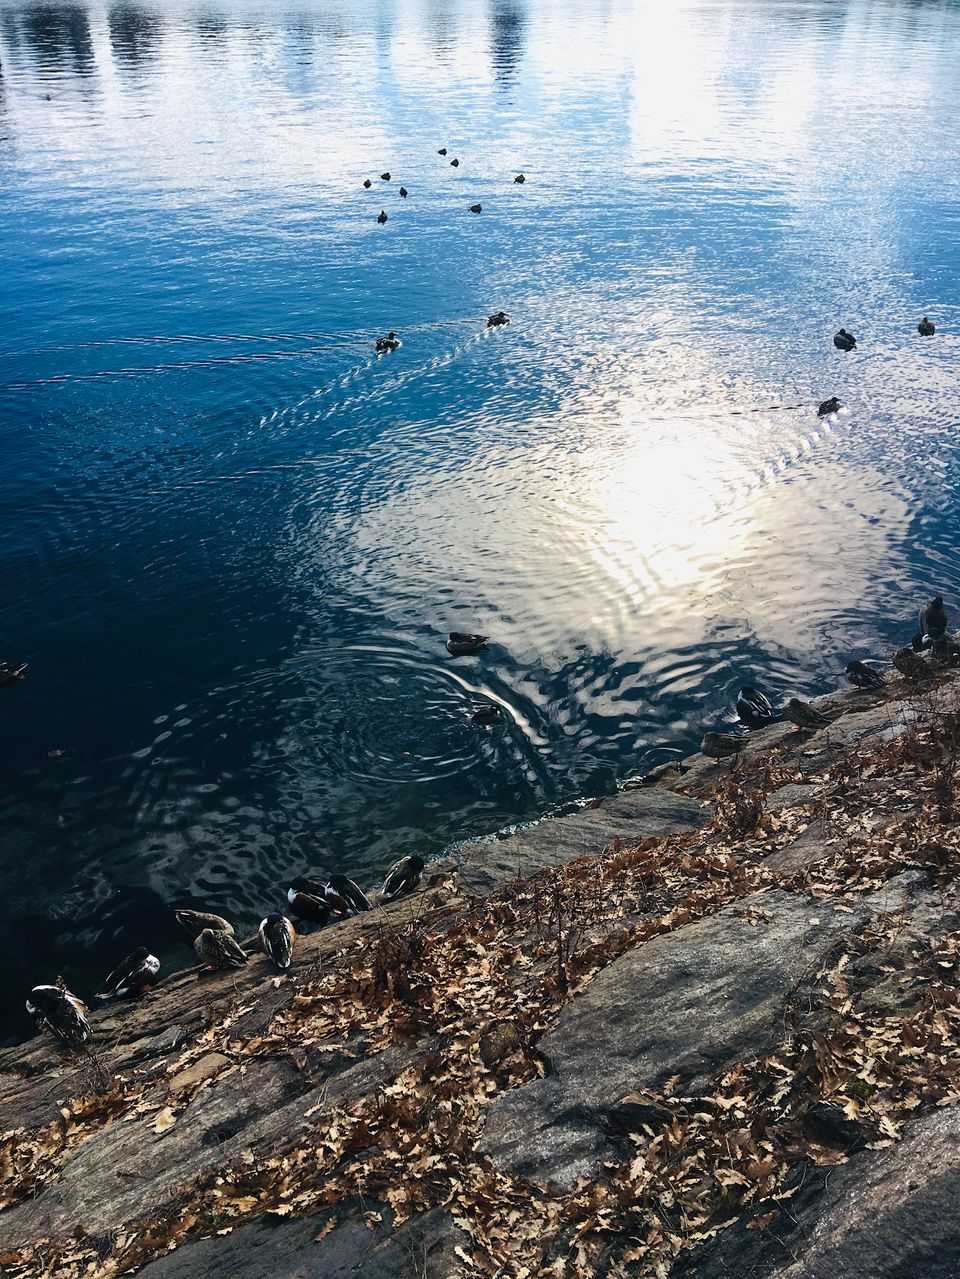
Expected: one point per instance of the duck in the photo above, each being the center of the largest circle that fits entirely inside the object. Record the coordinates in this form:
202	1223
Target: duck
57	1009
933	620
402	878
455	163
345	897
754	708
367	183
494	321
722	745
488	713
442	151
390	343
385	177
195	921
520	178
461	644
404	192
861	675
804	715
476	208
10	672
926	328
832	405
219	949
914	668
844	341
132	976
306	900
277	936
382	217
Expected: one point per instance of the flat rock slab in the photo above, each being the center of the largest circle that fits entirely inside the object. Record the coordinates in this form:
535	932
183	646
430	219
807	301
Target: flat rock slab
628	816
287	1248
687	1004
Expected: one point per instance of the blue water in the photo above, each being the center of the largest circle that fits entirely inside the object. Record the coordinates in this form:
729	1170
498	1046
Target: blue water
233	539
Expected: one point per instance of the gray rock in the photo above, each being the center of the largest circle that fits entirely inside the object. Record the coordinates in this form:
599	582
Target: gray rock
887	1214
285	1248
628	816
687	1004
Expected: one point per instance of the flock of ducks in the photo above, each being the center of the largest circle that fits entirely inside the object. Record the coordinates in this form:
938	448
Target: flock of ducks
845	341
754	709
391	342
383	217
57	1009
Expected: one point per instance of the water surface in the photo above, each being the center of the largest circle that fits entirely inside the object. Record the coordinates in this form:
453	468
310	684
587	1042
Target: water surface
234	540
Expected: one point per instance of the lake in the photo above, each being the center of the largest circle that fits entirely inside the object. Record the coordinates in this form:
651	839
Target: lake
234	539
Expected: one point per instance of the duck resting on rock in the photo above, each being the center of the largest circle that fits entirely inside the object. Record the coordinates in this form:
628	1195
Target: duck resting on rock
219	949
722	745
460	643
912	667
861	675
804	715
56	1009
131	977
754	709
402	877
346	897
844	341
195	921
277	936
306	900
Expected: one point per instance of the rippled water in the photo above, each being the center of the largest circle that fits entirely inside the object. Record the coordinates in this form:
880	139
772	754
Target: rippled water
234	539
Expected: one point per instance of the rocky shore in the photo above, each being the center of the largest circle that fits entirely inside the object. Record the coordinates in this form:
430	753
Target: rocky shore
709	1027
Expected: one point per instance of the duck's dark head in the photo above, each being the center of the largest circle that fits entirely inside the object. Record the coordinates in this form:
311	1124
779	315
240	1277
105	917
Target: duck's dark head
391	335
416	863
274	917
937	601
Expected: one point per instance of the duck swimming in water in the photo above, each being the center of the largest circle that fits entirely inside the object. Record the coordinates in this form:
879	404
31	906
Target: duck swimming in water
195	921
382	217
486	714
844	341
861	675
56	1009
494	321
306	900
402	877
219	949
460	644
442	151
926	328
10	672
132	976
367	183
476	208
455	163
832	405
277	935
385	177
345	897
390	343
754	708
404	192
804	715
520	178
